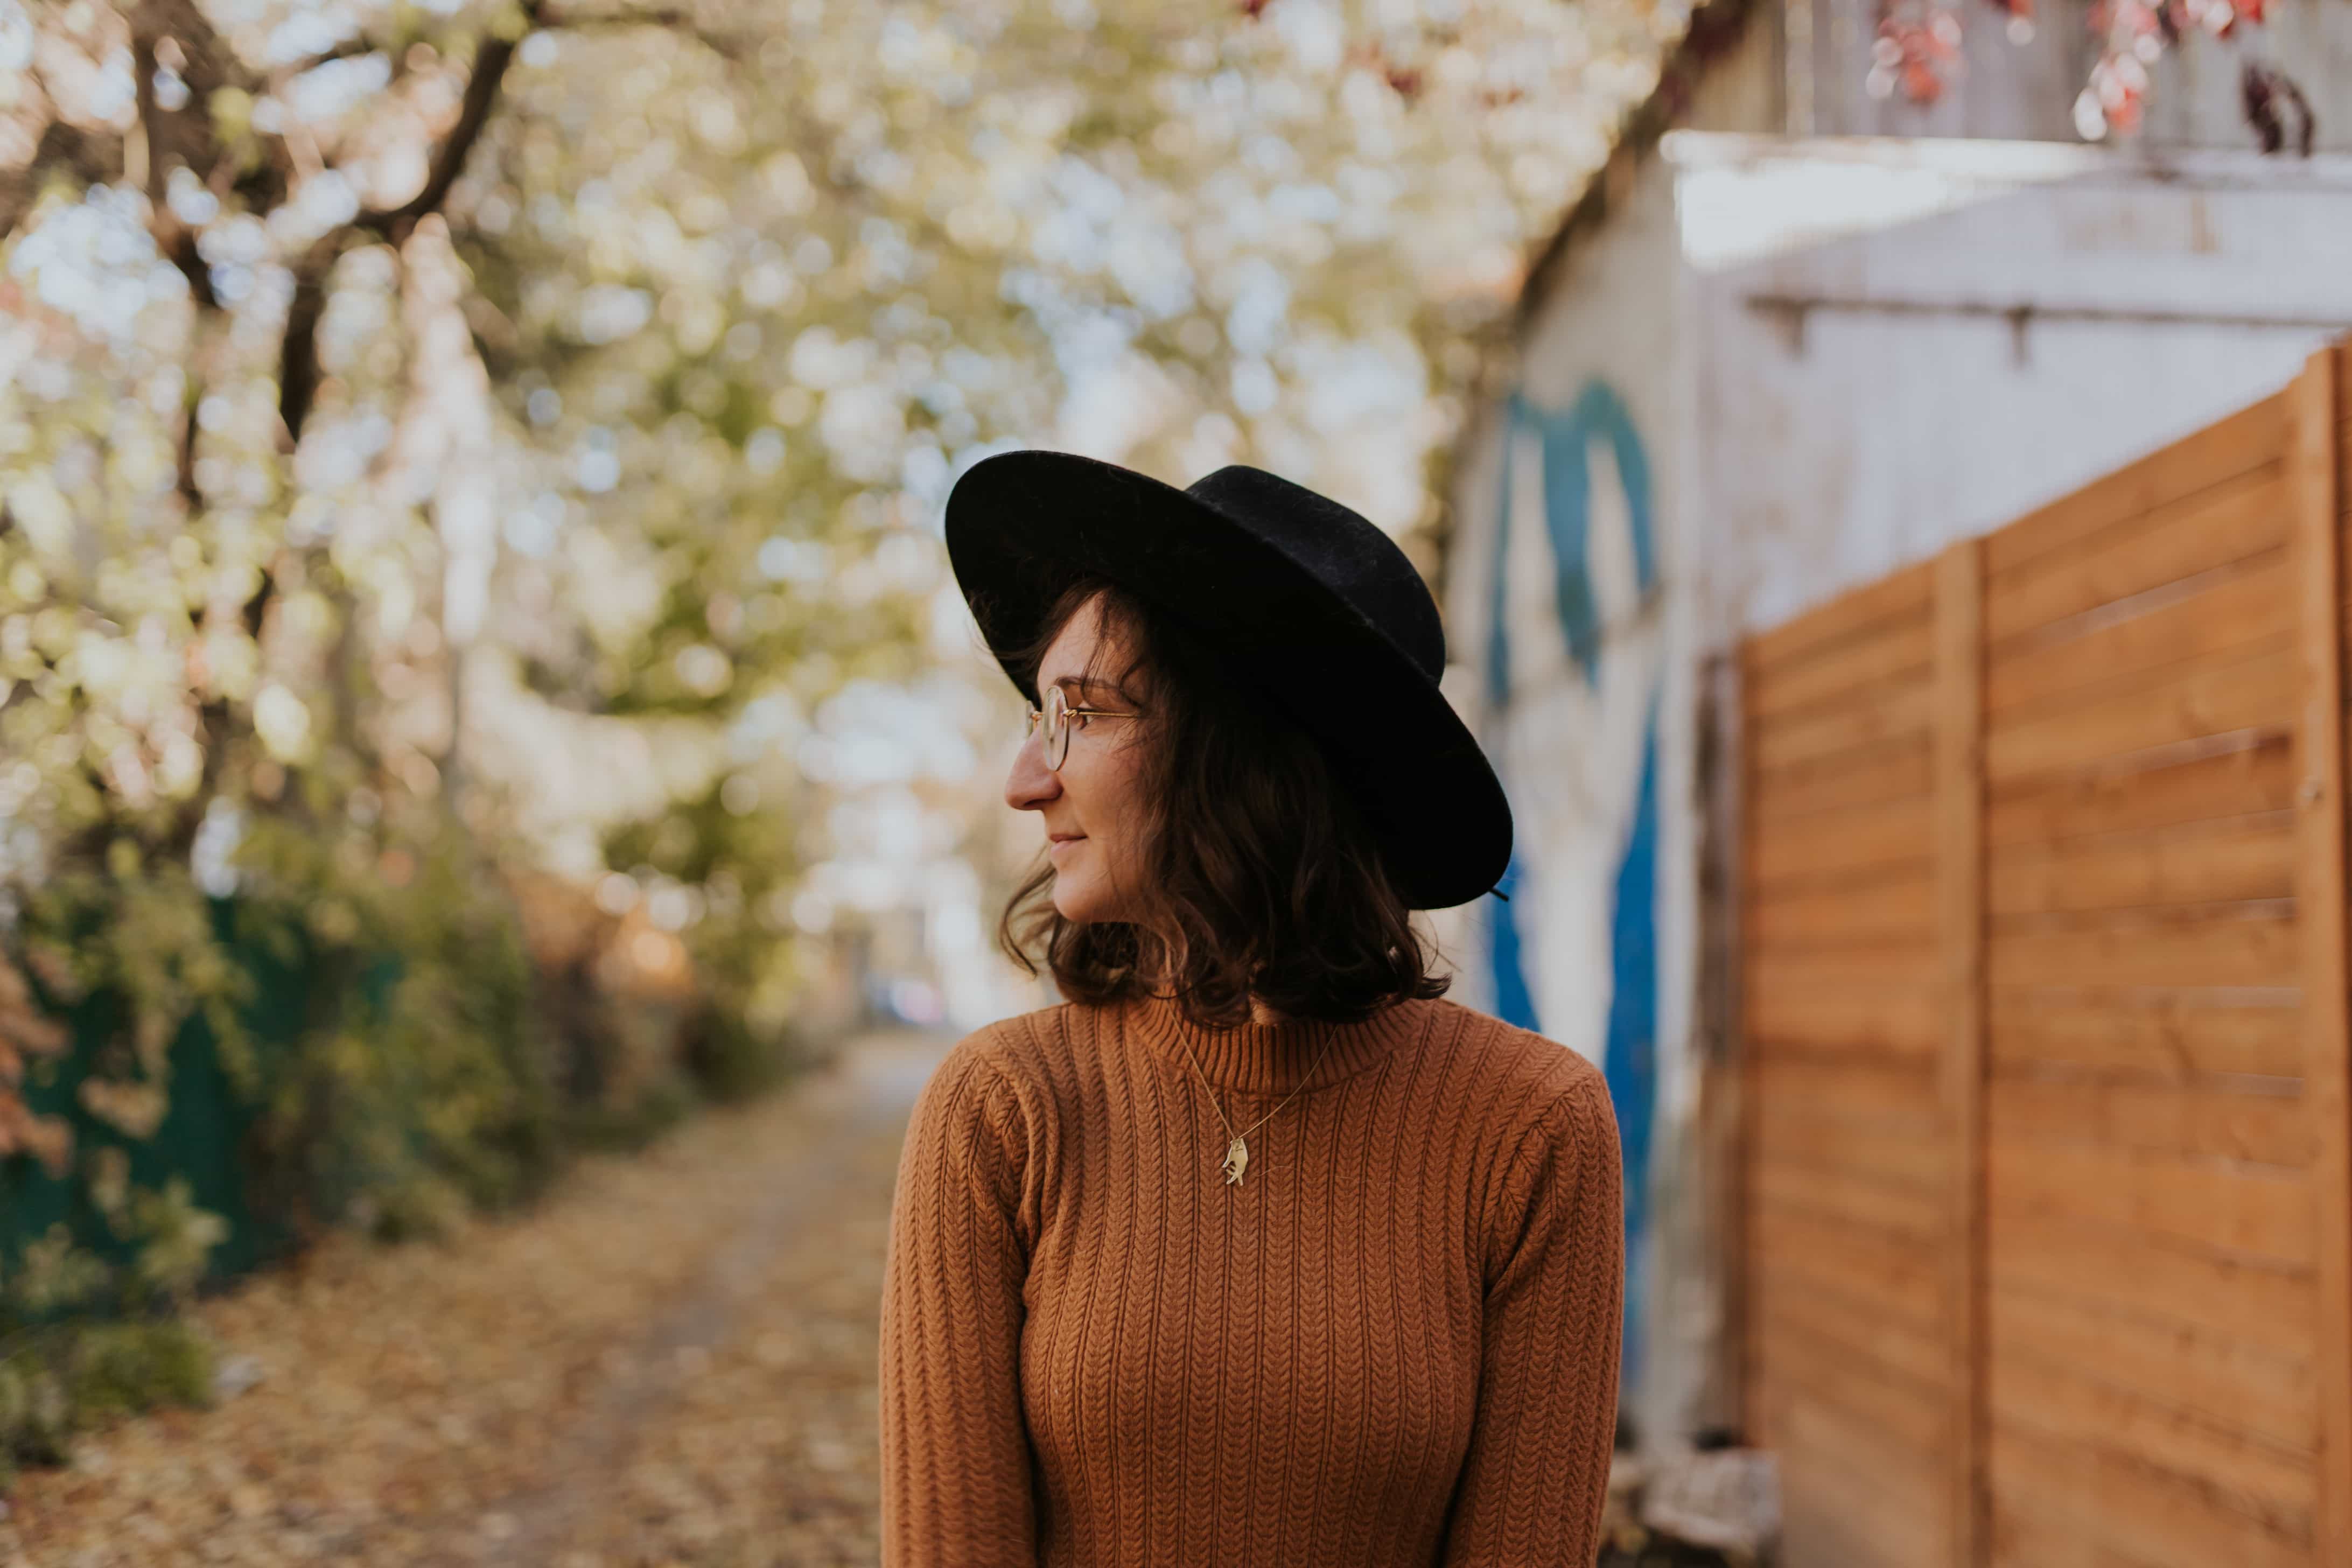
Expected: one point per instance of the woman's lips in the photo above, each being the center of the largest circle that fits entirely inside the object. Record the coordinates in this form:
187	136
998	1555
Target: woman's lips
1058	844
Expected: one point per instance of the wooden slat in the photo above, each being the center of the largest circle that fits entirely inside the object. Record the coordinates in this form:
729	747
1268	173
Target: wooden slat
1748	1063
2311	471
1899	1274
1799	1136
2030	1096
1850	1497
1912	1416
2246	440
2232	781
1897	655
2164	628
2213	861
2178	1036
1897	908
2212	945
1853	615
1873	719
1824	975
1788	1009
2121	1274
2343	434
2235	1385
1848	1197
1899	1421
1881	1530
2049	1397
1877	962
1960	925
1895	1097
2262	1213
2154	1524
2024	1535
1860	840
1896	771
2256	689
2191	1120
1911	1350
2233	522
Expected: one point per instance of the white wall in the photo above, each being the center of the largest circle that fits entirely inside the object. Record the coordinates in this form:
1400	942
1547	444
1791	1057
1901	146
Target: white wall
1810	422
1597	378
1906	409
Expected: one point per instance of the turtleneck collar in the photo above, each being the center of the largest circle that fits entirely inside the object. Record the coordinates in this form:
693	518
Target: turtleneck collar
1274	1058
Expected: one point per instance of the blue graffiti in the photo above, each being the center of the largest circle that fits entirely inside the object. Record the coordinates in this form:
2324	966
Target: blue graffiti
1566	438
1629	1061
1512	1001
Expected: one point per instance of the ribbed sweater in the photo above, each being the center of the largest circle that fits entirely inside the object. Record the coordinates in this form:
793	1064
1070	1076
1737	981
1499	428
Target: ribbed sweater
1393	1344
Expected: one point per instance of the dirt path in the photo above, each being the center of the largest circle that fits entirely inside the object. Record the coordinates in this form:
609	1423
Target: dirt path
672	1362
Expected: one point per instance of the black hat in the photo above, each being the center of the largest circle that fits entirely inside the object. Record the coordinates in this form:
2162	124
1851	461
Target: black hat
1308	600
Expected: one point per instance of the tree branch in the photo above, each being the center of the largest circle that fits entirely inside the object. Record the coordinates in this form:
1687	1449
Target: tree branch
298	352
491	64
678	17
150	24
90	158
357	46
297	380
173	239
186	456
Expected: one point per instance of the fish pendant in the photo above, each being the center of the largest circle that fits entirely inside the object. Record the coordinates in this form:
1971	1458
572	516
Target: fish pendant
1236	1160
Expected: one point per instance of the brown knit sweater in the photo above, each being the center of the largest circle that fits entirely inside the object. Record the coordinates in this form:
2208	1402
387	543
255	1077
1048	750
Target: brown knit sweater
1394	1344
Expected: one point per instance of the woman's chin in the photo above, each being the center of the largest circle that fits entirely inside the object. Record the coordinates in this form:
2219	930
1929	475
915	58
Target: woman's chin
1070	904
1077	901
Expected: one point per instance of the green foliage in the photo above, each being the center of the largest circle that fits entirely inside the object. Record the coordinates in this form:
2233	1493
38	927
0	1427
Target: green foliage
167	1243
632	1125
416	1206
407	1077
579	501
642	420
123	1369
59	1376
51	1277
175	1240
36	1412
420	1092
69	1378
142	935
732	1061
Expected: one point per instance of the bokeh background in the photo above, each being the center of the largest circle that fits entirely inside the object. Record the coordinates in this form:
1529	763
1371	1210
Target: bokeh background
480	681
477	469
481	677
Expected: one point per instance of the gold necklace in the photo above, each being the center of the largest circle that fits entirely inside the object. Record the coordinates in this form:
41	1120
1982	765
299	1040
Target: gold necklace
1237	1151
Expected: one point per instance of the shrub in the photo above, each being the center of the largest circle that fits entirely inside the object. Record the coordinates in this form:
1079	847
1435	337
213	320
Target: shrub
60	1373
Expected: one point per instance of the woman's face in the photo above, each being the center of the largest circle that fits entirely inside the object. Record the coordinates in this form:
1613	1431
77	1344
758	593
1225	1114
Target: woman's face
1092	808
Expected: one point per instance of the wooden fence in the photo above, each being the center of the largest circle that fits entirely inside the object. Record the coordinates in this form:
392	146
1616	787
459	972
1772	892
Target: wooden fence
2047	1211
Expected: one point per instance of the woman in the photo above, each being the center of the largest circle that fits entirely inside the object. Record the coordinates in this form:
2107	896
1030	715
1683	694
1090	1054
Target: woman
1257	1250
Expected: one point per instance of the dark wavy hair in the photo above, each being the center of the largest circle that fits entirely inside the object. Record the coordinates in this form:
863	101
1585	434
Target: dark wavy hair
1263	879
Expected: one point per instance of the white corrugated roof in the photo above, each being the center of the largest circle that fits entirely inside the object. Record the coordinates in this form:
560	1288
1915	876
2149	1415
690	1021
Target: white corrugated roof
1743	199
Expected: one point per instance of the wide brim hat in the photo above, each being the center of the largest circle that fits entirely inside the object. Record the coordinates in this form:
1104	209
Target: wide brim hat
1307	602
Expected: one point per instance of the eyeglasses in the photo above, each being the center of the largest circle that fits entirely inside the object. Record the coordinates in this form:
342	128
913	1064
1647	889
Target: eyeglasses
1056	716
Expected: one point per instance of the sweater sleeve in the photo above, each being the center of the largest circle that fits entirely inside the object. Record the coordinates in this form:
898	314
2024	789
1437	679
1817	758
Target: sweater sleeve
956	1457
1531	1488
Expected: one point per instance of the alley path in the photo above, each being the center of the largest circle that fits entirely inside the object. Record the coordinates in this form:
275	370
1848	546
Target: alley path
671	1362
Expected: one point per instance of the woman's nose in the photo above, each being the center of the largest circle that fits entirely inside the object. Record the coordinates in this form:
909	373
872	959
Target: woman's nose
1031	784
